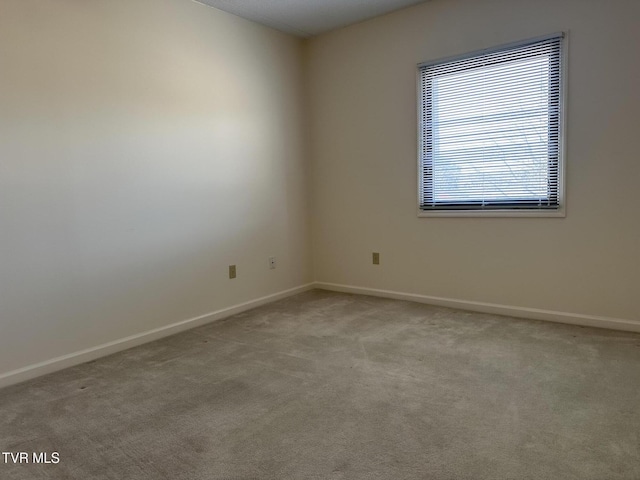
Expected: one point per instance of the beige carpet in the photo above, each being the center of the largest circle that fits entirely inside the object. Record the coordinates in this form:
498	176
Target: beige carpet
333	386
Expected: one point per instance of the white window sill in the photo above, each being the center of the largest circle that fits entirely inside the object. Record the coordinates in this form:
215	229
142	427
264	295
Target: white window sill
560	213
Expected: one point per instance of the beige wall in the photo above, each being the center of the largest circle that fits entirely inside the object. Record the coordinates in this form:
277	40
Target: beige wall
145	145
363	125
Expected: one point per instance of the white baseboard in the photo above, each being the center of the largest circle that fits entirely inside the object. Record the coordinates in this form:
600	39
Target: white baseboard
76	358
522	312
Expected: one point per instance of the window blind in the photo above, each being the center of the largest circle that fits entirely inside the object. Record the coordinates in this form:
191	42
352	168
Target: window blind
490	129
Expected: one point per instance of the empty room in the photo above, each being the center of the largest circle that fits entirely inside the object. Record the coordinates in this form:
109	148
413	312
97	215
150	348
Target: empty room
319	239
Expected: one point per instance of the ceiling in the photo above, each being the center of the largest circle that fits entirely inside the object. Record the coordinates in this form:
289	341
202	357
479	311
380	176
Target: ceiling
305	18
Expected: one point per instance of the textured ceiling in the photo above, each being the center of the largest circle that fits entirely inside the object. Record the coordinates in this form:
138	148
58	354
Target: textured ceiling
306	18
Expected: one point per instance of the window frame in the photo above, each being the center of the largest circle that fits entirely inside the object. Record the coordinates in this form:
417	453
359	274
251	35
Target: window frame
560	210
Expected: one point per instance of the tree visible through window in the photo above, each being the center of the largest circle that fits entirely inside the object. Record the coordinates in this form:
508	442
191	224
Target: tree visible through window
490	129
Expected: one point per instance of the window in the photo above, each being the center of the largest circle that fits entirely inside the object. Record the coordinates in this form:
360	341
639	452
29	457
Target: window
490	131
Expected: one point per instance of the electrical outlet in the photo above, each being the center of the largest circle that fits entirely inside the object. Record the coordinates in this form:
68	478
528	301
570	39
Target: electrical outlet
272	262
376	258
232	271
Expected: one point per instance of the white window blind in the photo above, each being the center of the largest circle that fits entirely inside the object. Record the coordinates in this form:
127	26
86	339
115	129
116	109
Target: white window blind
490	129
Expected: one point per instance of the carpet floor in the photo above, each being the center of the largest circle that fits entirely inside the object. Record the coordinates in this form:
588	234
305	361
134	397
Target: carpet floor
333	386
